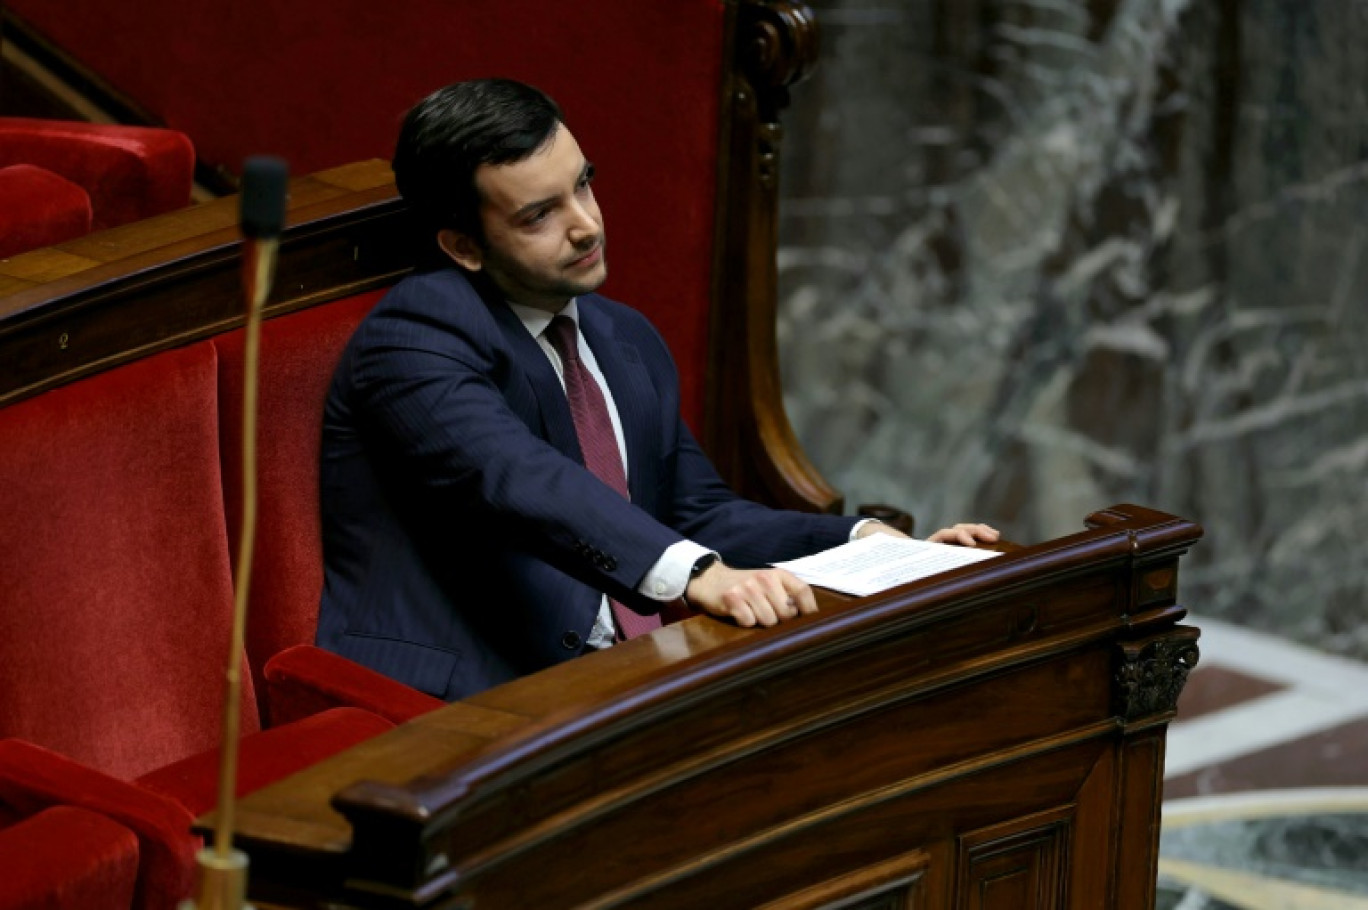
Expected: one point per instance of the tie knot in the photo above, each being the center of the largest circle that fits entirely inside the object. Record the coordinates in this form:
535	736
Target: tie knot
562	332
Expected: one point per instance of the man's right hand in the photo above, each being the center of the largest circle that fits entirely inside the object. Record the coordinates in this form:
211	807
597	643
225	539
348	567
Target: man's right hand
750	597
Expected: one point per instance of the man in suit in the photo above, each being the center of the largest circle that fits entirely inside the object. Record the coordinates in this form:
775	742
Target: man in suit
506	481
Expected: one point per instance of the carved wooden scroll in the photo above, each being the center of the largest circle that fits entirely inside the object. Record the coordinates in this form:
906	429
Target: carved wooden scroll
1151	673
748	433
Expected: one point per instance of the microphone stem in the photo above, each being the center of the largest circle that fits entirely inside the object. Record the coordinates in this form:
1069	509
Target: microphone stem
259	260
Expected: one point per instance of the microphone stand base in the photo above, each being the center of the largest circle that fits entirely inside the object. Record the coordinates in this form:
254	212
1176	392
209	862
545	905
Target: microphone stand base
222	882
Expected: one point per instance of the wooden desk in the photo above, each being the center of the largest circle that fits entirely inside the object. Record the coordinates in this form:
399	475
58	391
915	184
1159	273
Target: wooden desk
989	738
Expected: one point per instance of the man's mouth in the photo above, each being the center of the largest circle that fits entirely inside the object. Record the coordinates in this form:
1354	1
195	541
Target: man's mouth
590	258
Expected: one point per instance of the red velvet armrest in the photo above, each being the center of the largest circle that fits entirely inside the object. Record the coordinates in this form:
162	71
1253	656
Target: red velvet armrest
33	779
160	807
39	208
265	757
304	680
65	858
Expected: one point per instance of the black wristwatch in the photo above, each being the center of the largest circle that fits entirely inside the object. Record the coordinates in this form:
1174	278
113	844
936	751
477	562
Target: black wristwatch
698	568
702	565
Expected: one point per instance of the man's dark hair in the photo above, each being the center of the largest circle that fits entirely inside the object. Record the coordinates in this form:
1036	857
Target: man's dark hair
450	133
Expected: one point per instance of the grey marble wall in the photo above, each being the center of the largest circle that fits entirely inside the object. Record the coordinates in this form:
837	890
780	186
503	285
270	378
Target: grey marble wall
1041	256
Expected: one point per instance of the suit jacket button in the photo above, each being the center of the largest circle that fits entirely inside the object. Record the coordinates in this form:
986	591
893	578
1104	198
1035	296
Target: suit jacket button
571	641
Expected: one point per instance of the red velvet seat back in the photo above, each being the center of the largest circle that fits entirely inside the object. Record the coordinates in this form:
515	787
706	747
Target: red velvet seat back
298	354
129	172
116	600
325	83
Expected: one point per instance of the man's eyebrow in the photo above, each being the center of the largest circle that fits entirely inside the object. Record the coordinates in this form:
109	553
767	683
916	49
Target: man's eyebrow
531	207
586	169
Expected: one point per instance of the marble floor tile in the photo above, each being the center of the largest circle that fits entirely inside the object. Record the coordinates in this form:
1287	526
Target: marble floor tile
1214	687
1266	785
1304	693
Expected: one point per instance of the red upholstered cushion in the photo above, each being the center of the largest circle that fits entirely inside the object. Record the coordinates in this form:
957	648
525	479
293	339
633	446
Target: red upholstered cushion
39	208
265	757
640	84
129	172
298	355
116	604
305	680
33	778
67	859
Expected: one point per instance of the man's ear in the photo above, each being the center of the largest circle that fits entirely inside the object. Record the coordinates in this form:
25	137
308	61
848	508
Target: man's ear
462	249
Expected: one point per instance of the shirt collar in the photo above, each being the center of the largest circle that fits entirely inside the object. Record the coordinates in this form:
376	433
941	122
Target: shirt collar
536	321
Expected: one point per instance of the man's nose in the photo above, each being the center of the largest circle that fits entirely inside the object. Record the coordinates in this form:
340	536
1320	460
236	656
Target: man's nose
583	223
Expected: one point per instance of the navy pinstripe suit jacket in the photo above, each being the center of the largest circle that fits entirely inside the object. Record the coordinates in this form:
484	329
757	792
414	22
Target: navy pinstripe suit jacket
464	542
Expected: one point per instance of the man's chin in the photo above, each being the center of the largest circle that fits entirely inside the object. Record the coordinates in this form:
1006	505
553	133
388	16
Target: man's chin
591	282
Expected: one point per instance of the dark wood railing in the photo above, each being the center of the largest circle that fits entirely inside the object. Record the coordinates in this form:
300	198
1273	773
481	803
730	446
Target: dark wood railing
991	738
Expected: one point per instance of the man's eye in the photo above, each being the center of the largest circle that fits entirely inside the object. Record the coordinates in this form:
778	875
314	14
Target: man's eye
539	216
588	177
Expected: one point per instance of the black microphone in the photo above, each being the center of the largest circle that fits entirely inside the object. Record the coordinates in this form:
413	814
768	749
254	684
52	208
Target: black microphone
264	181
262	216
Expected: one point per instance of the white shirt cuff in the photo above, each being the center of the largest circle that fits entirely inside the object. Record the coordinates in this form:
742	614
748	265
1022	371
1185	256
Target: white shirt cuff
855	531
668	578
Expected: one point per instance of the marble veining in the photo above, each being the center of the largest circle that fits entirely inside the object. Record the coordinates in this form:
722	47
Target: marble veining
1040	256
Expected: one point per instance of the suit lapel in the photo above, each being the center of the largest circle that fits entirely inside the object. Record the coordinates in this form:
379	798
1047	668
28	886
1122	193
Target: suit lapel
557	424
634	395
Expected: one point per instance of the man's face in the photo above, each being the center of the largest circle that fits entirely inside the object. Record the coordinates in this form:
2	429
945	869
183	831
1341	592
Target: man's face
543	240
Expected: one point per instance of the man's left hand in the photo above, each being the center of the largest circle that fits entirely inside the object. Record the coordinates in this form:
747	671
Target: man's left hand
965	535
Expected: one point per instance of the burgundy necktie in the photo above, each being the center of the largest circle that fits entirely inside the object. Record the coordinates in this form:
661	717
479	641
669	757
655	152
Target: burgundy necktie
597	441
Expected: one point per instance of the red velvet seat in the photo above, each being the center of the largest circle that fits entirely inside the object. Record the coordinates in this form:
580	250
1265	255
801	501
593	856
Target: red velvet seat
129	172
116	612
298	353
292	678
116	608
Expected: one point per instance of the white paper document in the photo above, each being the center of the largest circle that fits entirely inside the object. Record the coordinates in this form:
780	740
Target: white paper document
879	562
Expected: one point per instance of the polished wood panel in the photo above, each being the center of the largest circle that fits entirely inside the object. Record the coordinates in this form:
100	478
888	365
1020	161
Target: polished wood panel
977	739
